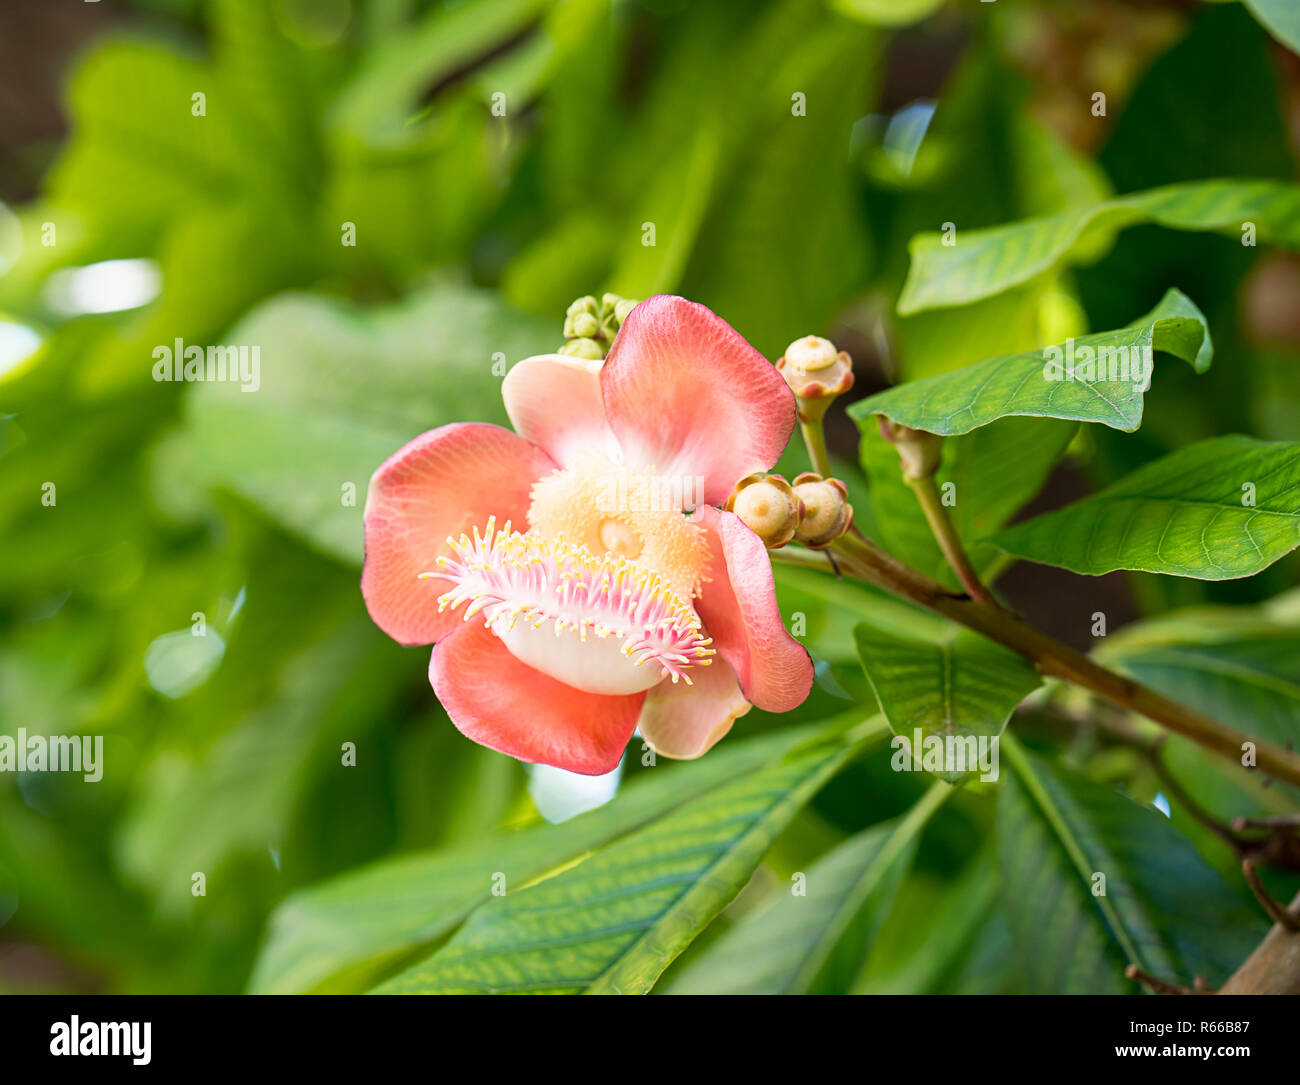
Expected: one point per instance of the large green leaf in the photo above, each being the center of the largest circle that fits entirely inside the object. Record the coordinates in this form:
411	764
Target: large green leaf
1245	673
341	389
1216	510
615	921
364	919
376	108
958	684
1281	18
986	262
832	64
1094	378
947	957
1159	907
815	943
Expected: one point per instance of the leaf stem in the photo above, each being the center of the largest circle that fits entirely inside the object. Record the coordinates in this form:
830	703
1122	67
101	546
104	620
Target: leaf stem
936	515
865	560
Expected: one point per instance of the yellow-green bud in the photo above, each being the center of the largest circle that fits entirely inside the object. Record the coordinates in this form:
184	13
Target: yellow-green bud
816	372
768	506
582	326
827	513
583	348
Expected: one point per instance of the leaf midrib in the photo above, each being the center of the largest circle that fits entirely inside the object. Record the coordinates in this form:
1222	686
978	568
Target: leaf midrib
1074	851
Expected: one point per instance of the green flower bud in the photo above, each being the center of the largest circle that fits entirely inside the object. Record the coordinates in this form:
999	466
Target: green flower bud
581	326
583	348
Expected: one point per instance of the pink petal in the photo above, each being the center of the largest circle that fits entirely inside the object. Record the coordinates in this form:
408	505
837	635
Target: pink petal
686	395
687	721
445	482
555	402
508	706
739	609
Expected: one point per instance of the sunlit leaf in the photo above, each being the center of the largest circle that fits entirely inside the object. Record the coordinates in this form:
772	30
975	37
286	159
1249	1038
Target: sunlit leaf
369	917
615	921
1094	378
815	942
985	262
1219	509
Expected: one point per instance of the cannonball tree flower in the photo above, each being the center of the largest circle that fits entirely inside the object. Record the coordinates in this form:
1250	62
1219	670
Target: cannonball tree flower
575	577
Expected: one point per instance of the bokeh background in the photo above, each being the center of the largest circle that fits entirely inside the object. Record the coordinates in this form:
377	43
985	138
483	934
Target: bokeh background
784	152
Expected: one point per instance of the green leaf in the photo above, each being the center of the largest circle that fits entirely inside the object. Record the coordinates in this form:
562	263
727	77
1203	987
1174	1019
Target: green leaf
615	921
364	919
986	262
887	12
1186	514
138	154
815	943
1249	677
832	64
1094	378
342	389
1281	18
1163	909
958	684
957	911
376	108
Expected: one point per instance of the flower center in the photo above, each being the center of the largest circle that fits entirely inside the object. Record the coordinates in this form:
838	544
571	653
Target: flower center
602	506
621	539
599	624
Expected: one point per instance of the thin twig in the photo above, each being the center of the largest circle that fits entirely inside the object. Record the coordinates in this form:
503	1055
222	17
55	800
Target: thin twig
1156	984
1276	912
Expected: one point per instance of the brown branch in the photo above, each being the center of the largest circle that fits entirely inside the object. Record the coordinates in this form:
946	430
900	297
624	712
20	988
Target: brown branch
1276	912
1274	967
867	561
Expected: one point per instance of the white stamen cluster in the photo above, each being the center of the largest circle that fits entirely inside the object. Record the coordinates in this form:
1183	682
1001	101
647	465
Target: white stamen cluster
509	576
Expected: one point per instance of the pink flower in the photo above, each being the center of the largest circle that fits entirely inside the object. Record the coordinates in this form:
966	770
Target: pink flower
568	596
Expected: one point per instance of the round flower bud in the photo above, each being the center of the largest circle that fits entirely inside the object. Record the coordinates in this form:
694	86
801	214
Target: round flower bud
768	506
583	348
621	308
816	372
582	319
582	326
827	513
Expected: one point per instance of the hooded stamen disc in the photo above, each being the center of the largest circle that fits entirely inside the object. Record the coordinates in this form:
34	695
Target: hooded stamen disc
600	505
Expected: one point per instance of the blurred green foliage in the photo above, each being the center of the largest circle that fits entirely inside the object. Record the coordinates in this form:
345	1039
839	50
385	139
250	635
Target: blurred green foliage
784	153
